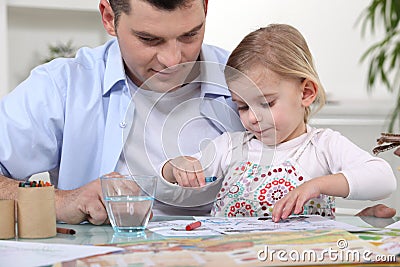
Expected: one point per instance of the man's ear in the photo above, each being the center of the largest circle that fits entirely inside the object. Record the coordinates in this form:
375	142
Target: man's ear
107	17
310	92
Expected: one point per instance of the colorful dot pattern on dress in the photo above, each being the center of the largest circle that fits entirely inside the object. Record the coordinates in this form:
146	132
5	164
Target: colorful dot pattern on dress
253	190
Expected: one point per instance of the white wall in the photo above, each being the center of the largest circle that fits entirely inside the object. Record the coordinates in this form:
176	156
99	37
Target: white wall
3	49
32	30
328	26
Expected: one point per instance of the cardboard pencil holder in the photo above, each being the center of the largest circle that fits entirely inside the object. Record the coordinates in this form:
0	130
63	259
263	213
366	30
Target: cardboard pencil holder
36	213
7	218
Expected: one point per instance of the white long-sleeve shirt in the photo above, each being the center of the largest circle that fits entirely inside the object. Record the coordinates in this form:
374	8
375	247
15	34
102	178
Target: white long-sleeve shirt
369	177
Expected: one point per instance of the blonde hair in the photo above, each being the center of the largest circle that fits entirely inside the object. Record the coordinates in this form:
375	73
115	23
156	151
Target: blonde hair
280	48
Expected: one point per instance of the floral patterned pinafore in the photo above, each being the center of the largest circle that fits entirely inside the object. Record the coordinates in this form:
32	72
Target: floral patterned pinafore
252	189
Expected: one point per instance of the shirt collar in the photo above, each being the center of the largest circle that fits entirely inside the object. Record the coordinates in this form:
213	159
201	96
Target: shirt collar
212	72
114	71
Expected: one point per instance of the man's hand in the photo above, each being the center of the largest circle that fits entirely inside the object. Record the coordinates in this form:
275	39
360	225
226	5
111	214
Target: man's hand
84	203
379	211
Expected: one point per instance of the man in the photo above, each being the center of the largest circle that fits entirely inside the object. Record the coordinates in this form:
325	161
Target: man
71	117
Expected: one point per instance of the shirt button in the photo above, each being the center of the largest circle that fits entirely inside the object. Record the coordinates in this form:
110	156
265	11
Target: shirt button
122	124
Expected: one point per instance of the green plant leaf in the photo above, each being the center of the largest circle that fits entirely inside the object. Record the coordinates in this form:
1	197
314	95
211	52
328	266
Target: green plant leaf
60	50
383	56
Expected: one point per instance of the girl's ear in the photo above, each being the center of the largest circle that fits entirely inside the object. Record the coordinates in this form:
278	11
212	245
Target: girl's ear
107	17
310	91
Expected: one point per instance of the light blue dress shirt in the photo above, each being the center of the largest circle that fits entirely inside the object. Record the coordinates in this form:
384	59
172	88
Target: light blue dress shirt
68	116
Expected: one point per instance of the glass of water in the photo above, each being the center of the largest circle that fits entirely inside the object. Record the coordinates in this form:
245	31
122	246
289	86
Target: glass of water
129	200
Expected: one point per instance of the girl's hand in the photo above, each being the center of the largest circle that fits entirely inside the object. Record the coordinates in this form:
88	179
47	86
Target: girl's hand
294	201
187	171
331	185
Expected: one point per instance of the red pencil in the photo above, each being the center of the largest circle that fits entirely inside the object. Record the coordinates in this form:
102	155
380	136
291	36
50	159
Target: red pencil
65	231
193	226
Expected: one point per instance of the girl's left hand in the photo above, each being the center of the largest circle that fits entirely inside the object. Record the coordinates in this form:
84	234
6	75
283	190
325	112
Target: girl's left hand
294	201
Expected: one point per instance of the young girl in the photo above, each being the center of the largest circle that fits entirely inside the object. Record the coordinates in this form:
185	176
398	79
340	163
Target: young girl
280	165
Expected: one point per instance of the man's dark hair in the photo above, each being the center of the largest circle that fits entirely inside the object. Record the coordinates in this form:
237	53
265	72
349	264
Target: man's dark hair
124	6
